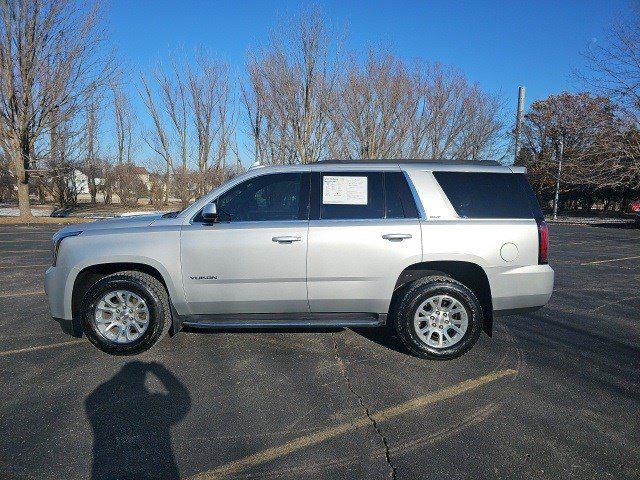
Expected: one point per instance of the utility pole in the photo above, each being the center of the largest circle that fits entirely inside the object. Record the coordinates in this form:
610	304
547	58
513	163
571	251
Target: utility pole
521	91
555	200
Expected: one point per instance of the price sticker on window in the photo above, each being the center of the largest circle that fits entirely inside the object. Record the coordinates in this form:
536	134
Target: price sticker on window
341	190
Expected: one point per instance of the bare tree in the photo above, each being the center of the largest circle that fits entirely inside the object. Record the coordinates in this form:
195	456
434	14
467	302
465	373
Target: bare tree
92	164
124	119
372	118
452	118
213	120
6	180
62	160
169	112
388	110
613	66
585	125
130	187
290	91
48	60
191	109
613	69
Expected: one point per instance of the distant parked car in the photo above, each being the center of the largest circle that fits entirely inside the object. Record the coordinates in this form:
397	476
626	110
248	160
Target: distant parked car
635	207
435	248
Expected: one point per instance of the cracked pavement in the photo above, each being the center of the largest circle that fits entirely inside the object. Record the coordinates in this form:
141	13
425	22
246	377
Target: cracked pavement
554	394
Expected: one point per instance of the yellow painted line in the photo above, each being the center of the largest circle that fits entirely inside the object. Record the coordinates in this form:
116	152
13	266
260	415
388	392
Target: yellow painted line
40	347
612	260
22	294
418	403
22	240
46	265
27	251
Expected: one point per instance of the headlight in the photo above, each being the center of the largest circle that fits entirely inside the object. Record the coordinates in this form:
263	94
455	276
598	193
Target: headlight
57	240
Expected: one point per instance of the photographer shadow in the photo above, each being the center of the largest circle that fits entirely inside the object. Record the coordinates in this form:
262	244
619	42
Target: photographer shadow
132	424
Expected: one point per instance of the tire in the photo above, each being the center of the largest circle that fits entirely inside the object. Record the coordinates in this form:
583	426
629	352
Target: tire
408	321
157	312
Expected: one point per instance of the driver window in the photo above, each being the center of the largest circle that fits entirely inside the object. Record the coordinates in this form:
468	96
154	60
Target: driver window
272	197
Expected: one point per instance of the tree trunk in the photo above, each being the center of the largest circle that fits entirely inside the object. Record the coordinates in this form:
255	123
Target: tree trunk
20	160
93	189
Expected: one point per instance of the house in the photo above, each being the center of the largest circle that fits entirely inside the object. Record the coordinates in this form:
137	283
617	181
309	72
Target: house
81	181
143	175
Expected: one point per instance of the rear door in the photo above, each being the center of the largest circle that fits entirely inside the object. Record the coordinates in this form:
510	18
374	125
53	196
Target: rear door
253	260
364	230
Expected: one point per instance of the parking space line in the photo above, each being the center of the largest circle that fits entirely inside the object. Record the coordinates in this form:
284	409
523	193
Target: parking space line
22	294
25	266
27	251
40	347
22	240
611	260
272	453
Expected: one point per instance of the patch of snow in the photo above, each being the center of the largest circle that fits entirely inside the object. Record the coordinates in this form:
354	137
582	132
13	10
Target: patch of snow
14	212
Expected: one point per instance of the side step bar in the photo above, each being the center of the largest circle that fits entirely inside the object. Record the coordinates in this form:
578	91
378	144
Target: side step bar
282	320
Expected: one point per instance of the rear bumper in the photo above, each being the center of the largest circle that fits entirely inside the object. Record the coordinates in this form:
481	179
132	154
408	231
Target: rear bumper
521	289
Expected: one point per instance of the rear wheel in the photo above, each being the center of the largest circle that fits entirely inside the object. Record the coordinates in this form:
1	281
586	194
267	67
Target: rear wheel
438	318
126	313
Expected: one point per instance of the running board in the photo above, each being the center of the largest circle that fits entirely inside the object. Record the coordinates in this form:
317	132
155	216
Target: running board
283	320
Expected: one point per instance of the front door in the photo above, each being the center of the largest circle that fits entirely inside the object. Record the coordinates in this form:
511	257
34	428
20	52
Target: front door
253	260
363	232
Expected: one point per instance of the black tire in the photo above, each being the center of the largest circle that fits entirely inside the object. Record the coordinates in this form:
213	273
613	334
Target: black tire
142	284
415	295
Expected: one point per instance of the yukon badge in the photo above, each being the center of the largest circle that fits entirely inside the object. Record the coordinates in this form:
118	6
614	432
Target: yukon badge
203	277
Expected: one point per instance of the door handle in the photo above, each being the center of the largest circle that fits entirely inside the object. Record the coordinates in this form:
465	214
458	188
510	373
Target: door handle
286	239
396	237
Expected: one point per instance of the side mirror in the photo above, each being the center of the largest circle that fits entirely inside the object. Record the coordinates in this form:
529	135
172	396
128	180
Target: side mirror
210	213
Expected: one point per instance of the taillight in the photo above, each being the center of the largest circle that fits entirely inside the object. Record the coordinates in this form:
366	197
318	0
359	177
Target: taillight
543	242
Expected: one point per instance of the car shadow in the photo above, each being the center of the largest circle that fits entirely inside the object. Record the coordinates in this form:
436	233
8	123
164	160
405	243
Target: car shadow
630	225
218	330
384	336
131	423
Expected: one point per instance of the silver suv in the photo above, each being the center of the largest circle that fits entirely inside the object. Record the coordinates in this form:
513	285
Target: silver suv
433	249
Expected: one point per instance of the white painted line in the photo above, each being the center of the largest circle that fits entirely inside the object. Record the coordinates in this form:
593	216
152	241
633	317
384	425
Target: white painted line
612	260
40	347
418	403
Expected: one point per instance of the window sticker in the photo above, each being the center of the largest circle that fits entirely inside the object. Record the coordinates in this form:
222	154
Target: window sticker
340	190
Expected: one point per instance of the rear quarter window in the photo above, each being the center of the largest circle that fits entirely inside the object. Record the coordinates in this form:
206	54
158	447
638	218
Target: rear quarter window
489	195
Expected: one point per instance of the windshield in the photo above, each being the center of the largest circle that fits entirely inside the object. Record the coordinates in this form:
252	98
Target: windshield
174	214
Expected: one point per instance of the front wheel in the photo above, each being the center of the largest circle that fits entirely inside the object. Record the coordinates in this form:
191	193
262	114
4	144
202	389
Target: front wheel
438	318
126	313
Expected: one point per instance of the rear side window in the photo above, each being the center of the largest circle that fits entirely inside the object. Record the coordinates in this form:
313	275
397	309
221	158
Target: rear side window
489	195
399	200
351	195
361	195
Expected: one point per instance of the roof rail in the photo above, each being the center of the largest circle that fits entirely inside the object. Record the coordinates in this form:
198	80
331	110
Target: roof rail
255	165
411	160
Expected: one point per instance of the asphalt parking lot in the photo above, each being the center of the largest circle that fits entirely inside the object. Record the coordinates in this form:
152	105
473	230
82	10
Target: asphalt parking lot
554	394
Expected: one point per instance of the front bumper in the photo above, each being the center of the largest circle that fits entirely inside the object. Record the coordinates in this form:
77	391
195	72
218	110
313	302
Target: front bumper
54	288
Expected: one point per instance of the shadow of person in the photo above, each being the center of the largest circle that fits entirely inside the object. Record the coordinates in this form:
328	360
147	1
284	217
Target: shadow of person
131	423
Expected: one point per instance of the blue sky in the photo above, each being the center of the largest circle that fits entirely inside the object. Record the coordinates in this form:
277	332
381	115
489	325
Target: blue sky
499	44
